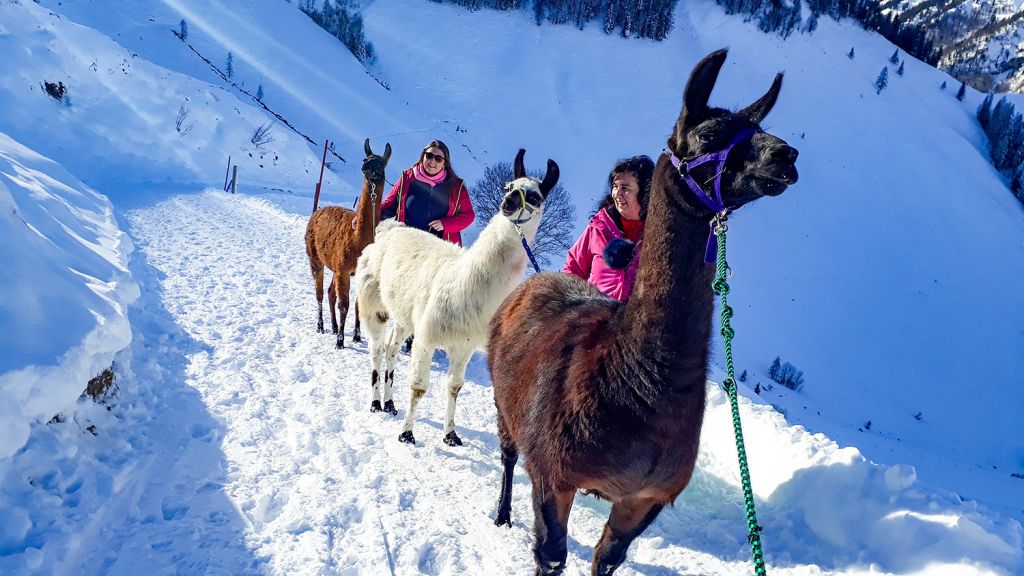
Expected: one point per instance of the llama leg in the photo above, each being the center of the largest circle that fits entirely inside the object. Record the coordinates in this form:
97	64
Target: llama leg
509	456
391	353
457	362
629	518
342	282
376	325
318	283
550	520
332	297
356	337
418	382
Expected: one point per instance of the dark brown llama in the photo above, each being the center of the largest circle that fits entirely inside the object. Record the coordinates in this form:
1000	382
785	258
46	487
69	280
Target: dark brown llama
336	236
609	397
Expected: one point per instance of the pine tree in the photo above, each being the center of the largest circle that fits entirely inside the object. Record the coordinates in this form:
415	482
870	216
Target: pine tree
612	14
259	93
812	23
1015	143
230	66
1000	133
776	366
882	81
899	70
961	92
850	53
895	58
985	111
183	30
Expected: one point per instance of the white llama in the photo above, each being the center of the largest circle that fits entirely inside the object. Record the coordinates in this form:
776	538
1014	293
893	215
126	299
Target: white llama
444	294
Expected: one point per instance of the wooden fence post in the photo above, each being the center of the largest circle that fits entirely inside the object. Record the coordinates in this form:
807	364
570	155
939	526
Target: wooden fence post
323	162
226	172
234	179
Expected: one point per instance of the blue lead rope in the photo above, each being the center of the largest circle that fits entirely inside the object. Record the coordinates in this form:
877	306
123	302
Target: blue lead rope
529	252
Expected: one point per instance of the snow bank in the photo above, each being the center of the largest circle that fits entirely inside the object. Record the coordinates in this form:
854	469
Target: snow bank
64	290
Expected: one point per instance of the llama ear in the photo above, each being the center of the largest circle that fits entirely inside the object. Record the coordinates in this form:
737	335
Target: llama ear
697	93
550	178
702	82
518	171
387	152
758	110
366	148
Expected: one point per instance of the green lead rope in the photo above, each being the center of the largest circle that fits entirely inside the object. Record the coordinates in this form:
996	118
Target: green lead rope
720	286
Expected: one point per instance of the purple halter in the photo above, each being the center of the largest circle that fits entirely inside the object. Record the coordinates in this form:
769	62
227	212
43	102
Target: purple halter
713	203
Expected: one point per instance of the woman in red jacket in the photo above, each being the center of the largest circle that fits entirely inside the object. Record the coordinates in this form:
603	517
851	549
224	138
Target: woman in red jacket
608	253
431	197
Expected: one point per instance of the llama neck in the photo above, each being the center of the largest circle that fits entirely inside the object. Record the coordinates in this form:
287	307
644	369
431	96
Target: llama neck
498	257
668	317
368	211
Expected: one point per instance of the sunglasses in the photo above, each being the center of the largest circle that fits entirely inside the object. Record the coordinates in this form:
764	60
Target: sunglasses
434	157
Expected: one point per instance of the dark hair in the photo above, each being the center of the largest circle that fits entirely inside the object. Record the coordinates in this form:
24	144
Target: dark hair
643	168
447	157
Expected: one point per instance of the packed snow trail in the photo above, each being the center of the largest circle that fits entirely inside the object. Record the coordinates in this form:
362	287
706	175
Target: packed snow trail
323	485
288	472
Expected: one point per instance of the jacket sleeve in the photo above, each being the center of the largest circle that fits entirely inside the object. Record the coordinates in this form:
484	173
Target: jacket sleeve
580	256
389	207
464	213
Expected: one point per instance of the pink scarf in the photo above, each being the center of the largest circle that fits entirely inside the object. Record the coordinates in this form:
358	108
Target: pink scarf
422	176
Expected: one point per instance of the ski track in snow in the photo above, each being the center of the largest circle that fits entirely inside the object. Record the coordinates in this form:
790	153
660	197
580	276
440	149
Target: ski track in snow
320	482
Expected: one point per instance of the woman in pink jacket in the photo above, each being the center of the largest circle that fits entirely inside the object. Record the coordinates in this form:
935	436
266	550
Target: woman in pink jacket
608	253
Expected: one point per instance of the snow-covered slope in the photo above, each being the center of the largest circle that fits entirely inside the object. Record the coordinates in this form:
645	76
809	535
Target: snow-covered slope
981	40
64	289
240	443
117	126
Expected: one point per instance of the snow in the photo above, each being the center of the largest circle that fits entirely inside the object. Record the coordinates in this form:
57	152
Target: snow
65	290
238	441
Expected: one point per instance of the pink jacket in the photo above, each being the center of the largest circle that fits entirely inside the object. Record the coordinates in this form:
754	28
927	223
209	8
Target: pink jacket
586	259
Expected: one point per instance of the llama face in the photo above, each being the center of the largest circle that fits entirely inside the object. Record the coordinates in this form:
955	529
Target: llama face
758	164
525	195
523	200
373	165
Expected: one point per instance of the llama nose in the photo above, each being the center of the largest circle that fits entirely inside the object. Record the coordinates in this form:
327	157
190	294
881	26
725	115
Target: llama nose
508	206
785	153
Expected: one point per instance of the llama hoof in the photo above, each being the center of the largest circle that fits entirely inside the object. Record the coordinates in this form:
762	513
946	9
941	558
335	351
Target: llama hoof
320	329
407	438
389	407
339	344
503	520
357	338
375	406
452	439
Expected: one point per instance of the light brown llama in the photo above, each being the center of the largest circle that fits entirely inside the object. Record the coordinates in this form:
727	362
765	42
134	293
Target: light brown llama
336	236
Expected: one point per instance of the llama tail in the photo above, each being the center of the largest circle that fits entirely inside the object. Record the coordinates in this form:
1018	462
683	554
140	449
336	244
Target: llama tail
367	277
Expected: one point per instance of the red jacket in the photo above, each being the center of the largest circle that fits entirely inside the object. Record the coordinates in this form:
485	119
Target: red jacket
586	258
460	208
